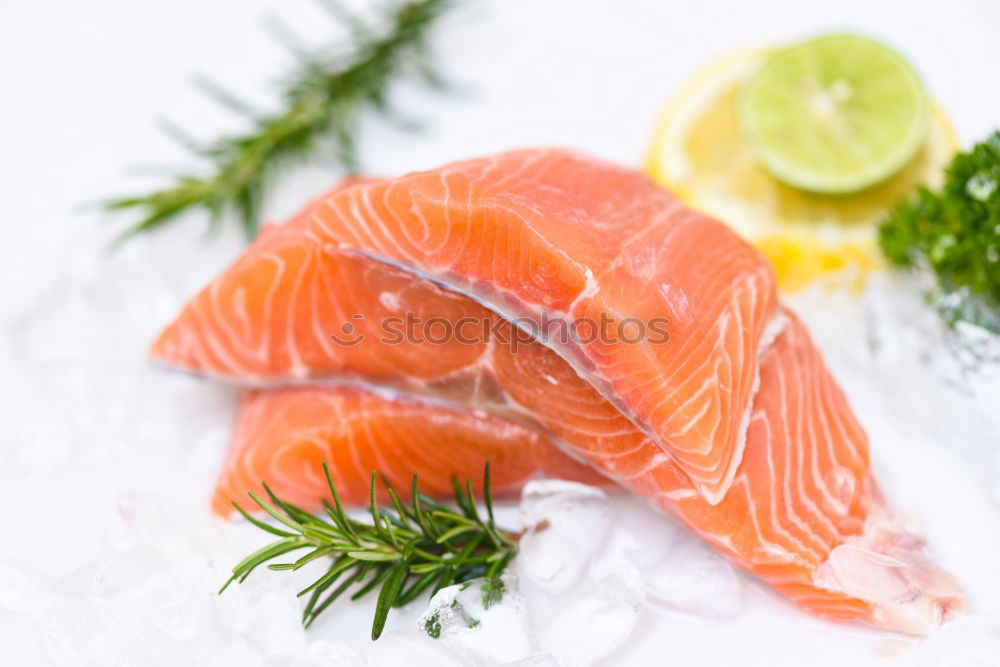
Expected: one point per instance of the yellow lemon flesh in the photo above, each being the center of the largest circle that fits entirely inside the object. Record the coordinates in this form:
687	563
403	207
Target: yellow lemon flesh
700	153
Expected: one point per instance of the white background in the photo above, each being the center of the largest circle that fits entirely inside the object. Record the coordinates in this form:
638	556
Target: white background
82	85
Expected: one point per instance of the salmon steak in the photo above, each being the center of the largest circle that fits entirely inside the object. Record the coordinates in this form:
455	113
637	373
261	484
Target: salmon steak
797	506
584	254
284	436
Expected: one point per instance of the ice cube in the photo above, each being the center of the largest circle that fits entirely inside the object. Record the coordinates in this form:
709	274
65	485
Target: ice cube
694	580
680	572
588	623
639	537
566	524
481	621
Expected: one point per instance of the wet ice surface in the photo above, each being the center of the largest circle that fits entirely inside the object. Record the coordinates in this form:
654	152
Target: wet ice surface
149	599
117	560
474	626
577	613
76	353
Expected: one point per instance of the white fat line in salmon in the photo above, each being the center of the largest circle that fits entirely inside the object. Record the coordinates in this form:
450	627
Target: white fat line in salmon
504	304
531	322
776	324
510	410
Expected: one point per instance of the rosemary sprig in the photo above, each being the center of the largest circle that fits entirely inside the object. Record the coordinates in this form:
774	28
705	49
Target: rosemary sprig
405	550
325	97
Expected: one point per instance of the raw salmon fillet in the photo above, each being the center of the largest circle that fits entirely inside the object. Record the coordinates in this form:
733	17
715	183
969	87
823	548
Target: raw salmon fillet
557	241
271	316
282	436
802	512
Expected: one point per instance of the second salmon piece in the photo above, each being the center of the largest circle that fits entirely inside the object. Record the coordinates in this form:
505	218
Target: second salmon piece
282	436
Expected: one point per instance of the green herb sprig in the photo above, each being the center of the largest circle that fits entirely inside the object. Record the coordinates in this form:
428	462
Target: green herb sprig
956	233
404	551
324	98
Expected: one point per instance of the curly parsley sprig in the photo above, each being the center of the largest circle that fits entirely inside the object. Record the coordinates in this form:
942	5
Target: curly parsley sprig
403	552
324	98
956	233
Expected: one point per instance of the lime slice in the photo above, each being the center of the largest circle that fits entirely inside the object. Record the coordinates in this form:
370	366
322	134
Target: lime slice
834	114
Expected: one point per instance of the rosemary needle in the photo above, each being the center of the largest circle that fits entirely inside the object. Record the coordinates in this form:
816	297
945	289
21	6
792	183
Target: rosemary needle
323	99
407	549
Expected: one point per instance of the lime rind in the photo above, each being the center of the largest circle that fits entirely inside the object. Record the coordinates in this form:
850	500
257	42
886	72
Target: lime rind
783	129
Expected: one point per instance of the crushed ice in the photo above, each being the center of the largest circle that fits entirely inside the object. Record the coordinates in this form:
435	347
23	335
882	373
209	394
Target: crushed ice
76	354
589	568
151	597
482	622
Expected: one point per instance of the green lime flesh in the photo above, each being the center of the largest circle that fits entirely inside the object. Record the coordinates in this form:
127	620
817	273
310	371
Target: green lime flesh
834	114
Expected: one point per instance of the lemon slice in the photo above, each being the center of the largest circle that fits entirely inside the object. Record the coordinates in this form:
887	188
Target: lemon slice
834	114
698	151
